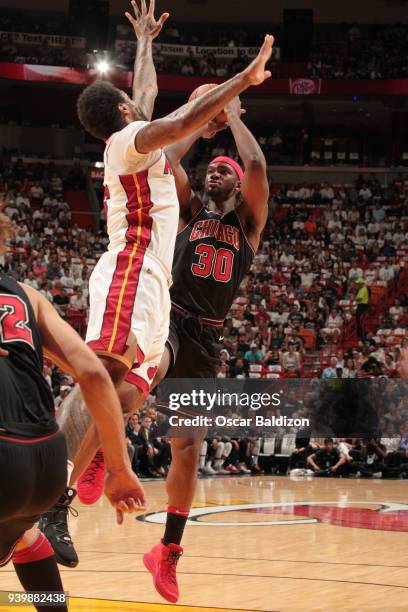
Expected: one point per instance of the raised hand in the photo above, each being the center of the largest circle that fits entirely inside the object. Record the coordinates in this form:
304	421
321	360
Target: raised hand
144	22
256	73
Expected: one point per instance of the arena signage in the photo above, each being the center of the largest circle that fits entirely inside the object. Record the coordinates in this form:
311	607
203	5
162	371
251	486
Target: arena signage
197	51
305	87
25	38
186	84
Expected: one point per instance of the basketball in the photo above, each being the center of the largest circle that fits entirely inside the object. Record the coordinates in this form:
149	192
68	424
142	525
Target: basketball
200	91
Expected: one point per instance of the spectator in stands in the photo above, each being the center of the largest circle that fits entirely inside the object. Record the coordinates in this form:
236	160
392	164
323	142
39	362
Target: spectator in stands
326	461
349	369
148	451
330	371
333	326
372	459
386	272
262	316
60	298
254	355
132	435
31	280
291	360
362	299
77	301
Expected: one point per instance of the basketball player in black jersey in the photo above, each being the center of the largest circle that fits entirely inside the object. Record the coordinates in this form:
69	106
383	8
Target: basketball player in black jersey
33	454
214	250
215	247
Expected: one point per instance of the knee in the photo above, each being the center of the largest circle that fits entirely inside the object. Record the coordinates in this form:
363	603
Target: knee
131	399
189	454
220	450
227	449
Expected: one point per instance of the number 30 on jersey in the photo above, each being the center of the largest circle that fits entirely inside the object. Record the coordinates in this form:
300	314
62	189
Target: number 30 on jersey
213	262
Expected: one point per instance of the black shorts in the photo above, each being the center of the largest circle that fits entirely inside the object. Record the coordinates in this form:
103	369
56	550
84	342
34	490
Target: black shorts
194	346
33	475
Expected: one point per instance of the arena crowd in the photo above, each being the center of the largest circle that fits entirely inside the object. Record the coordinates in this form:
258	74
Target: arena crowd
325	298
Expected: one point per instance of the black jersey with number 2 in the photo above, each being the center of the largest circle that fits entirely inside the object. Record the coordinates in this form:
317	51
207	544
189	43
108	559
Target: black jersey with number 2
26	402
212	256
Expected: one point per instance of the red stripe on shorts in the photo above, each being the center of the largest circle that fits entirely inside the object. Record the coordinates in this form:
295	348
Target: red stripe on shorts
121	297
138	382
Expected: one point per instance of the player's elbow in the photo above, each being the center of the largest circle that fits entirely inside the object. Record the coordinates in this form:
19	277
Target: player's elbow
256	162
179	129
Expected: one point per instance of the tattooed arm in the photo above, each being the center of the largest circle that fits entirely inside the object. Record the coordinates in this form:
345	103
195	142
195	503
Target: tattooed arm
145	90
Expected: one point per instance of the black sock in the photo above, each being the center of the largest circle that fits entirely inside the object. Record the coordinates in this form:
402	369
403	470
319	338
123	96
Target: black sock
175	523
37	570
41	576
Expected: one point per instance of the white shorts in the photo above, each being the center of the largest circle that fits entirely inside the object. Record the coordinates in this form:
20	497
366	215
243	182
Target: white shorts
129	300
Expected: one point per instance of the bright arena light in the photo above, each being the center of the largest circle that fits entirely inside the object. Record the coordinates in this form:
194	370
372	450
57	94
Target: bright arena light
103	66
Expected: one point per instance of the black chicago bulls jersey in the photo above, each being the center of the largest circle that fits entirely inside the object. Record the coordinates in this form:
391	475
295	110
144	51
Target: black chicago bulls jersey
211	258
26	402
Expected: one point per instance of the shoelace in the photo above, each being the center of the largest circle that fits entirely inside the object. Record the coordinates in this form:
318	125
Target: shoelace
172	561
93	469
61	523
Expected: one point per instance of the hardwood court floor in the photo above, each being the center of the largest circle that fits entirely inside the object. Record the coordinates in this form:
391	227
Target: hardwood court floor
268	544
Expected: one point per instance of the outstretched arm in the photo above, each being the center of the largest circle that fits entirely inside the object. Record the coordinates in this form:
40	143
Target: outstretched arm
195	114
145	90
254	186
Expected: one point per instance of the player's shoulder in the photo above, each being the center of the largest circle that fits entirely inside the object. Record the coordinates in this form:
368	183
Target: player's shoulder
120	151
128	131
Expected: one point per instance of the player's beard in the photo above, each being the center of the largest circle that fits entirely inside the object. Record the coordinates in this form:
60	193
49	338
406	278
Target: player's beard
214	192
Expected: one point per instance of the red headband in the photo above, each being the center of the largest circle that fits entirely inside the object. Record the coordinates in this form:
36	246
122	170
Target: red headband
229	162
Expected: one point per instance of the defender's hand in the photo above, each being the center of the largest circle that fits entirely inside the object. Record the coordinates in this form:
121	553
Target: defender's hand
144	22
213	127
256	73
234	107
125	493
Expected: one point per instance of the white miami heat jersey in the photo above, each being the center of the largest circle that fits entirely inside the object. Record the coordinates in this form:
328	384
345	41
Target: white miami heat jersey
140	197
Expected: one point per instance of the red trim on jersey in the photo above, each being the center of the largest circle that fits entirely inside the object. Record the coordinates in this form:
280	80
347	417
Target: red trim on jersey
253	249
121	297
30	440
204	320
39	550
138	382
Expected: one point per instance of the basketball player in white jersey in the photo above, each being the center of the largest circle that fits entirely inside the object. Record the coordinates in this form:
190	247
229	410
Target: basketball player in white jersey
129	288
129	296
